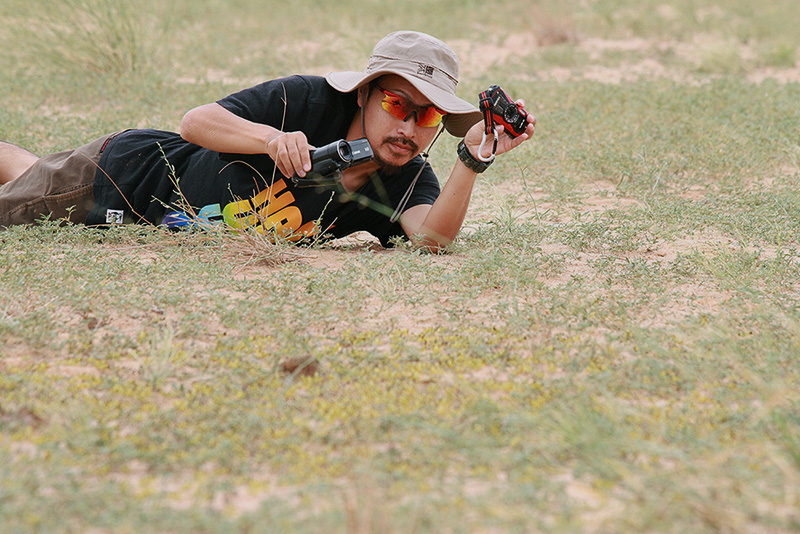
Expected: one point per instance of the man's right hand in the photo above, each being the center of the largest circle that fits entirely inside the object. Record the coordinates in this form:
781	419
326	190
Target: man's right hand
214	127
291	153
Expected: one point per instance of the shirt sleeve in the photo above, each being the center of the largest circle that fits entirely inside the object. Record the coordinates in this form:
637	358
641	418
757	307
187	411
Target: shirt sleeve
305	104
267	103
426	190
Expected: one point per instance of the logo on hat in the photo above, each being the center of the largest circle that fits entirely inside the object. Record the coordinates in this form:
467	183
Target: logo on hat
425	70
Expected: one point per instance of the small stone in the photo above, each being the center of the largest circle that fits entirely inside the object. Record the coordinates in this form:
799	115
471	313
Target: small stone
300	365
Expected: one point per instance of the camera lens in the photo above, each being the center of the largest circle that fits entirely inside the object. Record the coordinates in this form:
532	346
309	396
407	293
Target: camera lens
511	114
345	154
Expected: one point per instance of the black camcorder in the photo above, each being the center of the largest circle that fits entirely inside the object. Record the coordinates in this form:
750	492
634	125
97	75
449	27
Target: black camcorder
328	162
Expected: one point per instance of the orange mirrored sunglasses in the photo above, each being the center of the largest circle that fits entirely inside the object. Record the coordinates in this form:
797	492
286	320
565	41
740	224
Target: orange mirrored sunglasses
402	108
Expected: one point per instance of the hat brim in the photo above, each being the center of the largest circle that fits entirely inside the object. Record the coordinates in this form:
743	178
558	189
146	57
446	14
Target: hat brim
461	115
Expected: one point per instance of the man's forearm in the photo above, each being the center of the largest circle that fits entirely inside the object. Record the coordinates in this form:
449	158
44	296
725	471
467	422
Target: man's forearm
214	127
436	226
443	222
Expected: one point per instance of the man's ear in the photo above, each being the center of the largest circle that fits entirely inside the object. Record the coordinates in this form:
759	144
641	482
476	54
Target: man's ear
363	94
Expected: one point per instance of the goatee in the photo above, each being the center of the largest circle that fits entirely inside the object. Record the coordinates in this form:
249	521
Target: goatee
386	168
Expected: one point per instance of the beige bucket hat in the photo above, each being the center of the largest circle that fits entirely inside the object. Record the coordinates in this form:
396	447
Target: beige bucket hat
427	63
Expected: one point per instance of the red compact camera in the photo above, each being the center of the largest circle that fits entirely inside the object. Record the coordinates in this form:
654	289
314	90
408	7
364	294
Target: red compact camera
505	111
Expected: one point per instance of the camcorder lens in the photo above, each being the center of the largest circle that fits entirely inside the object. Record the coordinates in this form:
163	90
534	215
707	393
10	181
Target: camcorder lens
345	154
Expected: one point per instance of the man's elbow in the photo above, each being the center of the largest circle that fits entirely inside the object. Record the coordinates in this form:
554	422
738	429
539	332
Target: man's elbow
189	128
432	244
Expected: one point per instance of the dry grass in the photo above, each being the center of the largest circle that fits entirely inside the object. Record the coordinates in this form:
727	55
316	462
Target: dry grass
610	346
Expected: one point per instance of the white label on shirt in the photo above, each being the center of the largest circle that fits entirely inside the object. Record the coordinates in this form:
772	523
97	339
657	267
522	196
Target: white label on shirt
114	216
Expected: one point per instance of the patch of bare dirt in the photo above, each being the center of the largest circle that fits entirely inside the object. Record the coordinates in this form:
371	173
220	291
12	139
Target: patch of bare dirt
479	58
645	61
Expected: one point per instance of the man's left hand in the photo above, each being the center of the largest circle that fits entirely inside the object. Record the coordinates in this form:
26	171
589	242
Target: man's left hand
504	142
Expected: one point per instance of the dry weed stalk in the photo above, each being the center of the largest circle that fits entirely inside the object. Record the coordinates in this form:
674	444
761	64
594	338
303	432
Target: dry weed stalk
257	248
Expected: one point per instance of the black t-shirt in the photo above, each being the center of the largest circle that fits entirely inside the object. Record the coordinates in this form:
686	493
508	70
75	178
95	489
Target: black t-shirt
151	176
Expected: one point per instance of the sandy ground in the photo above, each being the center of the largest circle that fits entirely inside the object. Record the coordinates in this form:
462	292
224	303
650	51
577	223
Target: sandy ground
689	299
594	198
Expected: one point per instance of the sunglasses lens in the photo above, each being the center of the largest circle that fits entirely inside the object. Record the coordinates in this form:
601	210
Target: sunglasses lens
401	108
429	117
397	106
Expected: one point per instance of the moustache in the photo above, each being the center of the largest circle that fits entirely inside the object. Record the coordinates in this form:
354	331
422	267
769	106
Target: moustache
402	141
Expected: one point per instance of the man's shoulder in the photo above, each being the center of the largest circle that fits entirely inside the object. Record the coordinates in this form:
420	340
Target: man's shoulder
311	84
309	89
309	81
298	85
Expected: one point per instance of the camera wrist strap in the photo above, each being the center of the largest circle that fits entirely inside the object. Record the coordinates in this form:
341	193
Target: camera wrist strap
485	105
401	206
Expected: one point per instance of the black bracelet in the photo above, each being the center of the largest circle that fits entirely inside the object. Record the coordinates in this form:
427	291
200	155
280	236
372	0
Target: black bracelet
470	161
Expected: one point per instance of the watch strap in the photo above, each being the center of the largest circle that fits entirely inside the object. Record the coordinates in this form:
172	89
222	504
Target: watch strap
470	161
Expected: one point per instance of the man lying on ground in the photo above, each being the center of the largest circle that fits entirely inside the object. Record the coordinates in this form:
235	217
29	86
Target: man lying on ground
235	159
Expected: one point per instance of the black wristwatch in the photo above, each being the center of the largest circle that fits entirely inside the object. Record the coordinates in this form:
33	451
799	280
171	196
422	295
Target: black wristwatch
470	161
